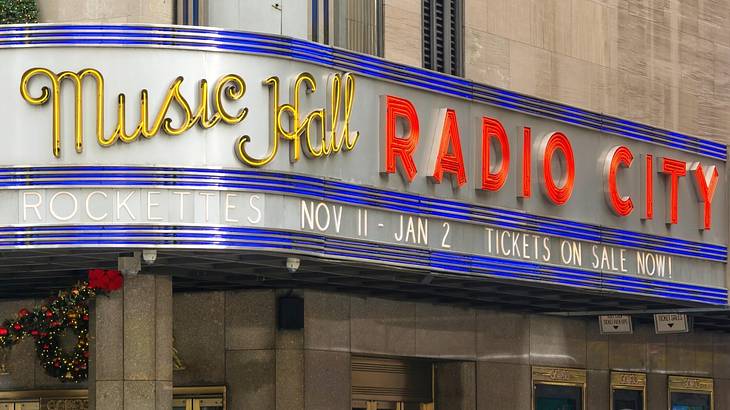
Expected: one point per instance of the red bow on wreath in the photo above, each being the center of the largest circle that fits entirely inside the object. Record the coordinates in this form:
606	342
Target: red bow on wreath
105	280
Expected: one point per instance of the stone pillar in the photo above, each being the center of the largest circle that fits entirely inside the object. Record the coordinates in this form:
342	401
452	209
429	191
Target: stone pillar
264	365
456	386
131	346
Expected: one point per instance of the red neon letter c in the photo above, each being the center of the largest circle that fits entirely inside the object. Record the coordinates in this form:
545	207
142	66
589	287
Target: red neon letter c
617	156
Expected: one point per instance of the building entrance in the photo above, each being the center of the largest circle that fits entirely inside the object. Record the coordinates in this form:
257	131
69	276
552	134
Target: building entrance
380	383
199	398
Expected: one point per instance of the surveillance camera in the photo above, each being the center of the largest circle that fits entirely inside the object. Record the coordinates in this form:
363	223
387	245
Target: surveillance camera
149	256
292	264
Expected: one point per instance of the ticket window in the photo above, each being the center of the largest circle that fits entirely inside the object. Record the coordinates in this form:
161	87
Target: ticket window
391	384
558	388
690	393
628	391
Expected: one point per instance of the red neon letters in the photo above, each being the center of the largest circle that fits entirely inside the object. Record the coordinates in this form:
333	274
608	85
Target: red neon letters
493	181
647	187
705	191
526	176
400	147
557	141
674	169
618	156
451	162
555	161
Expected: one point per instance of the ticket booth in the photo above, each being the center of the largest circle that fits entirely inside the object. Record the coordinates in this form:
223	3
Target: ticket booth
690	393
628	391
558	388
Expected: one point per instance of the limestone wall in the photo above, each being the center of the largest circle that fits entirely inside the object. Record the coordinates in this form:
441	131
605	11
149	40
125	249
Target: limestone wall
486	355
231	337
106	11
660	62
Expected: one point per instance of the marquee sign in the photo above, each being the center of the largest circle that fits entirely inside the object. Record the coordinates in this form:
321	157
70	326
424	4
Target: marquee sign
323	156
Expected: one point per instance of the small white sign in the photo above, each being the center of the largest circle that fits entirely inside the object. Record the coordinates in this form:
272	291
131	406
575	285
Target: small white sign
616	324
671	323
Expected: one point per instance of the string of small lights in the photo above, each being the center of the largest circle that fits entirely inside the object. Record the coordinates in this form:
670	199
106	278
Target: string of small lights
67	311
18	12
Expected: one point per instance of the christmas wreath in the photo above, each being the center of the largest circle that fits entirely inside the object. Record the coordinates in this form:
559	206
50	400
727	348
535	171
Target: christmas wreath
18	11
69	310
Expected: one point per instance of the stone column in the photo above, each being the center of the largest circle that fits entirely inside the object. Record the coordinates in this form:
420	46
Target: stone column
131	346
456	386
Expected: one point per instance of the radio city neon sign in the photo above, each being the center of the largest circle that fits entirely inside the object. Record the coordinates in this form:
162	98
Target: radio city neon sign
447	158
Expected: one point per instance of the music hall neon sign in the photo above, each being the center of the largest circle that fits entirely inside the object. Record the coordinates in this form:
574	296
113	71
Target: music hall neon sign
554	147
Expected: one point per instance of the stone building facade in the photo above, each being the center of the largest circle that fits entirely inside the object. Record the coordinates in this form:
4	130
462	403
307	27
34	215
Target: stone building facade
664	63
658	62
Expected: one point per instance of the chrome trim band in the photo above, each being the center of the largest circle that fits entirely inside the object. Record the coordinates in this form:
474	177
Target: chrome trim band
271	240
350	194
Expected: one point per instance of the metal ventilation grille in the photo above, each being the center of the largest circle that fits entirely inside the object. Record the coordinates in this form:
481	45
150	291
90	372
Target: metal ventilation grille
427	34
454	35
442	36
392	379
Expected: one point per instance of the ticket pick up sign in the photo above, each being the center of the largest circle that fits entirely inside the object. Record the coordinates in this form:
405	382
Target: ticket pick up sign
671	323
616	324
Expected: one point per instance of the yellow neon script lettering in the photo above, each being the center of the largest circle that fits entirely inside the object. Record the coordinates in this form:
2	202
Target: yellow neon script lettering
55	93
230	86
320	133
317	132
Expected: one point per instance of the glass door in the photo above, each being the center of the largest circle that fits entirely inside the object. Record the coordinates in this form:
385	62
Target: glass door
690	393
558	388
208	404
197	404
199	398
390	405
182	404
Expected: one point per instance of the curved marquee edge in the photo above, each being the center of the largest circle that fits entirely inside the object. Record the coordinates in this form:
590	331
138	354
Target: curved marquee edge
212	39
349	194
271	240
